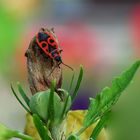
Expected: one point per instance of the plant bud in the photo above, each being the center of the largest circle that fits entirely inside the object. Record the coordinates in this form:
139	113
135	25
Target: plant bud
39	104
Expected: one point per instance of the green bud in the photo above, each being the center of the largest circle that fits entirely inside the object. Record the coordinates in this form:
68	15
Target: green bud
39	104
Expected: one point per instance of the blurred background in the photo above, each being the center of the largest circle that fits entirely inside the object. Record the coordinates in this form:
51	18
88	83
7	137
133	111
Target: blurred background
102	35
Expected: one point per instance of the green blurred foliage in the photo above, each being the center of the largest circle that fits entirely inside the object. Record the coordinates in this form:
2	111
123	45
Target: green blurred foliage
126	114
9	36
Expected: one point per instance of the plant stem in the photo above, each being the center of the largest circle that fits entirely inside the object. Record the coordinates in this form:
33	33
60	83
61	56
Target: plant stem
102	122
84	128
57	130
20	135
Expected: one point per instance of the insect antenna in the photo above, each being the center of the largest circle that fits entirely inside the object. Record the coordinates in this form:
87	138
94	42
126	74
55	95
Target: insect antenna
67	66
59	67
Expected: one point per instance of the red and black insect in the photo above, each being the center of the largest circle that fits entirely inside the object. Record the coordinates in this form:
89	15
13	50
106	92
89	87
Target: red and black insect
47	42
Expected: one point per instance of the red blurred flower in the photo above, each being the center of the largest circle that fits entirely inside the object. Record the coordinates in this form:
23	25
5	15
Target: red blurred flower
135	22
78	42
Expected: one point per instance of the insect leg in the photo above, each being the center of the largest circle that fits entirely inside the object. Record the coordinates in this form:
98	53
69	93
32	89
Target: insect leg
51	71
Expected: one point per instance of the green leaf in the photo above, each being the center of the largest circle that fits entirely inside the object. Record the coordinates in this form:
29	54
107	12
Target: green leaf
51	109
71	83
78	83
19	100
109	96
102	122
42	130
23	94
6	134
92	110
64	111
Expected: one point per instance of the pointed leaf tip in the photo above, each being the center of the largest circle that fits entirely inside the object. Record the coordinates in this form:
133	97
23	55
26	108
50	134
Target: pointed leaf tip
19	100
80	77
110	95
23	94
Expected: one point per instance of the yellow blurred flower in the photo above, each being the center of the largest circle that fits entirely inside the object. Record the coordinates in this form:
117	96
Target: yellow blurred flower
19	8
74	123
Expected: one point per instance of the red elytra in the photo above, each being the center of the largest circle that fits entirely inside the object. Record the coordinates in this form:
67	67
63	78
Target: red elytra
47	42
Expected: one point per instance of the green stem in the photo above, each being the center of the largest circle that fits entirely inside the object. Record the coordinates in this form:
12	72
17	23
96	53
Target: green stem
100	125
20	135
85	127
57	130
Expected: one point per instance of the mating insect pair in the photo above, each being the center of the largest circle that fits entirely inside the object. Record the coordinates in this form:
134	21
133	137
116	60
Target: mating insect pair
47	42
